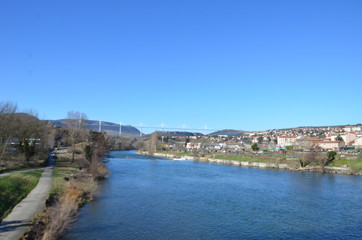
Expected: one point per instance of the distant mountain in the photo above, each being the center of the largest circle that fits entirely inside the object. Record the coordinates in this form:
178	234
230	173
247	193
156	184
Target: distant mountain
228	132
26	116
108	127
179	134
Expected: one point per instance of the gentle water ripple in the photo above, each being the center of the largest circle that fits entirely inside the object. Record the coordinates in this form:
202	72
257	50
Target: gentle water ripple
152	198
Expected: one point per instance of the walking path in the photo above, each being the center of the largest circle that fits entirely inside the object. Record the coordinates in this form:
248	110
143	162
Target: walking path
15	224
20	171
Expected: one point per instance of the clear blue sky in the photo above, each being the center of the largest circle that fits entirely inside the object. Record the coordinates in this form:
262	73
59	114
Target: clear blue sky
250	65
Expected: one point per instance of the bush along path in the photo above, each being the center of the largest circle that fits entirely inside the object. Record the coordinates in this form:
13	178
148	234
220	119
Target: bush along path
15	224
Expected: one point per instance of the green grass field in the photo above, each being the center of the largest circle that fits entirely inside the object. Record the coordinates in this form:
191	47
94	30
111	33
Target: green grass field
16	187
354	164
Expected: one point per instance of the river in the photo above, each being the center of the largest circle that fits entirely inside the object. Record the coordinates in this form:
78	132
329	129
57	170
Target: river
155	198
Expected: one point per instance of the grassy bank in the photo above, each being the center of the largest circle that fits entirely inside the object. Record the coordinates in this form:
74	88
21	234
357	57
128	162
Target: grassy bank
16	187
250	158
21	166
354	164
72	187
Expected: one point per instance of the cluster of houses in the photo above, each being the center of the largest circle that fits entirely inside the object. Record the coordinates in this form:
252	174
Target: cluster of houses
326	138
350	137
309	142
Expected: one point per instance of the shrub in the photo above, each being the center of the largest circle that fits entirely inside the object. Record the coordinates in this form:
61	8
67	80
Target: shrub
255	147
331	155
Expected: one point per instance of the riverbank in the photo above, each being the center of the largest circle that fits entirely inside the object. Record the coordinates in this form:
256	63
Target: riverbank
281	166
73	185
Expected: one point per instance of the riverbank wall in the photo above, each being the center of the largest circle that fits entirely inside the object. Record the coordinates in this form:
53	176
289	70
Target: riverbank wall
281	166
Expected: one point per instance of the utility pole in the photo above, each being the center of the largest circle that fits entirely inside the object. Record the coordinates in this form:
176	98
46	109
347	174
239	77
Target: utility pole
100	126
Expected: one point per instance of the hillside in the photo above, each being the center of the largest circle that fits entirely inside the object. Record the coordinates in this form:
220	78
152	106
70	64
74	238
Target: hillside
108	127
228	132
26	116
179	134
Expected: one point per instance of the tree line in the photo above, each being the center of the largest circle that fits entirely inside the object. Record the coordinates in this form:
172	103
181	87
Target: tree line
23	137
27	140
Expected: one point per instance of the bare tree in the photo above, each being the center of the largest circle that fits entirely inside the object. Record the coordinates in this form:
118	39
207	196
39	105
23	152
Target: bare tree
312	157
75	122
7	126
152	143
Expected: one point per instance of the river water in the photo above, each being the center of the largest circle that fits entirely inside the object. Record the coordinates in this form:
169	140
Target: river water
155	198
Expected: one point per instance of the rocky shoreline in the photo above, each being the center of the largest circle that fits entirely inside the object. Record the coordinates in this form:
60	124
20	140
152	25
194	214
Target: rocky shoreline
281	166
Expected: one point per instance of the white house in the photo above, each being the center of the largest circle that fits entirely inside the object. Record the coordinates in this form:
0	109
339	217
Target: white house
213	146
191	145
352	128
232	145
330	145
287	140
349	137
358	142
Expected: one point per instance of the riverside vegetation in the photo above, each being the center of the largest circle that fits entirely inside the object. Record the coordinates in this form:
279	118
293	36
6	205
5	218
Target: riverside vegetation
26	142
77	170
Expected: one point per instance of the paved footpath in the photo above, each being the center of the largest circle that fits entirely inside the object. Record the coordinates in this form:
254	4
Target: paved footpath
15	224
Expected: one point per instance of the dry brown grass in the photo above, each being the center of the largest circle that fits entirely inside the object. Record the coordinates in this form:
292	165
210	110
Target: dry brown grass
98	170
60	216
64	212
74	183
53	222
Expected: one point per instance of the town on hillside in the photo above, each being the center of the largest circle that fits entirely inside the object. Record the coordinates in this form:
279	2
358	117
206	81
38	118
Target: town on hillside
337	138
